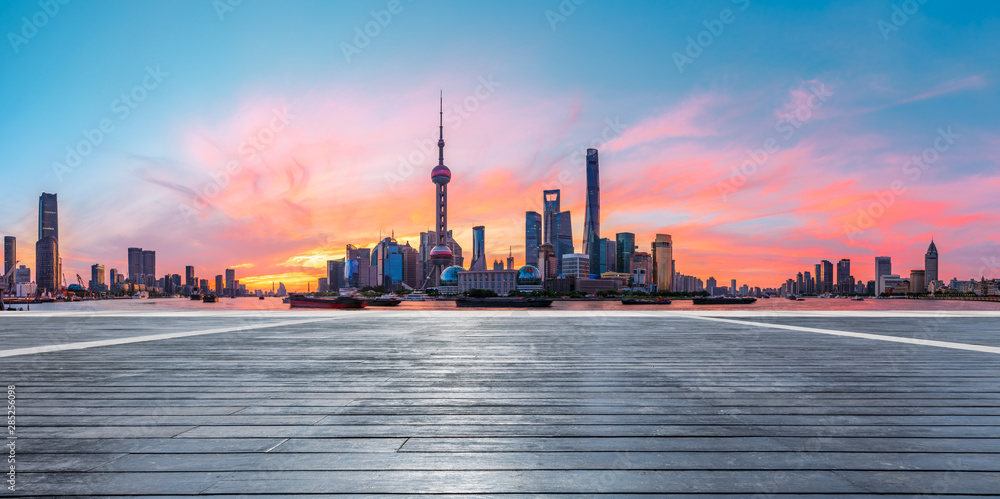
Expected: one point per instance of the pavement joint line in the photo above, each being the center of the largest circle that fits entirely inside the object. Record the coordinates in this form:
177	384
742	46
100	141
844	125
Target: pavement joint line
154	337
867	336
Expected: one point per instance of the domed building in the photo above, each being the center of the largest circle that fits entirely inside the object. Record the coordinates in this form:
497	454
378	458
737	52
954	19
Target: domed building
529	278
449	280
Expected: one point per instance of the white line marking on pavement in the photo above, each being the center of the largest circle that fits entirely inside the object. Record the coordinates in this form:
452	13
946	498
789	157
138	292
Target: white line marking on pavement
153	337
867	336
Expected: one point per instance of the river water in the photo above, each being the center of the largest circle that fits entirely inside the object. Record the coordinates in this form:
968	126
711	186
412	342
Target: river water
772	304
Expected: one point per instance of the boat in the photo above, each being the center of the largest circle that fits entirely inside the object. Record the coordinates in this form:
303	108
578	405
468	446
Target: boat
792	297
385	301
857	298
415	296
142	295
502	302
724	300
260	297
645	301
303	301
210	299
195	296
285	299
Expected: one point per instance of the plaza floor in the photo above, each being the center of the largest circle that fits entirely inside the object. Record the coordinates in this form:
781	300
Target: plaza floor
383	402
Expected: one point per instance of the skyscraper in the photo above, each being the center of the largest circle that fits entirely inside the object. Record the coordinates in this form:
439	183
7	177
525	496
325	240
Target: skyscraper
231	281
441	255
149	266
623	253
610	255
663	254
218	284
97	277
189	278
335	274
47	268
478	248
825	275
9	254
558	227
48	216
532	237
844	276
47	265
931	264
356	268
883	266
592	217
135	266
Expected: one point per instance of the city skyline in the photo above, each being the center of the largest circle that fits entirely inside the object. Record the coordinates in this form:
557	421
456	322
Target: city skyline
756	174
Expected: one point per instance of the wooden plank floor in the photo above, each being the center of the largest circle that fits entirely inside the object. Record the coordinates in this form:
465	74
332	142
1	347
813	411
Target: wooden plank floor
504	403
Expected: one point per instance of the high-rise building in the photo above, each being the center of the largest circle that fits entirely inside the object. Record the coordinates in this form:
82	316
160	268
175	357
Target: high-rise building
824	274
219	286
592	217
411	265
335	273
135	274
323	285
358	262
440	255
918	281
576	265
97	277
883	266
149	266
625	242
532	237
808	283
22	275
478	248
610	255
113	279
202	284
732	287
47	265
844	285
547	262
189	278
663	254
231	281
9	254
931	263
558	226
48	216
710	285
641	268
550	208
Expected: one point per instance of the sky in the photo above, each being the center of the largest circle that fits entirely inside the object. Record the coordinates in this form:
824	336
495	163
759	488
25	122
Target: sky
265	136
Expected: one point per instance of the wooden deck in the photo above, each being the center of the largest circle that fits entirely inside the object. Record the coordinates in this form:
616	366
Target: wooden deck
512	402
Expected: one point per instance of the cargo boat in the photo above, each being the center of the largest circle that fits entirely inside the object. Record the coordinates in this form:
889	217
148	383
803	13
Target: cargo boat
724	300
302	301
639	301
503	302
210	299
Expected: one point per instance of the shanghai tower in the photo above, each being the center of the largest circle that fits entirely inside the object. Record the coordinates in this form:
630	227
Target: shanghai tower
592	218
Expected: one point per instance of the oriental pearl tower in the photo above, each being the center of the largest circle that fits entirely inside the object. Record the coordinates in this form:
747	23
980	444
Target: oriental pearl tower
440	255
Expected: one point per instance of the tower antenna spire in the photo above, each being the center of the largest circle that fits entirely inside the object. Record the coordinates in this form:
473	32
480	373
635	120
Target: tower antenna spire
441	130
